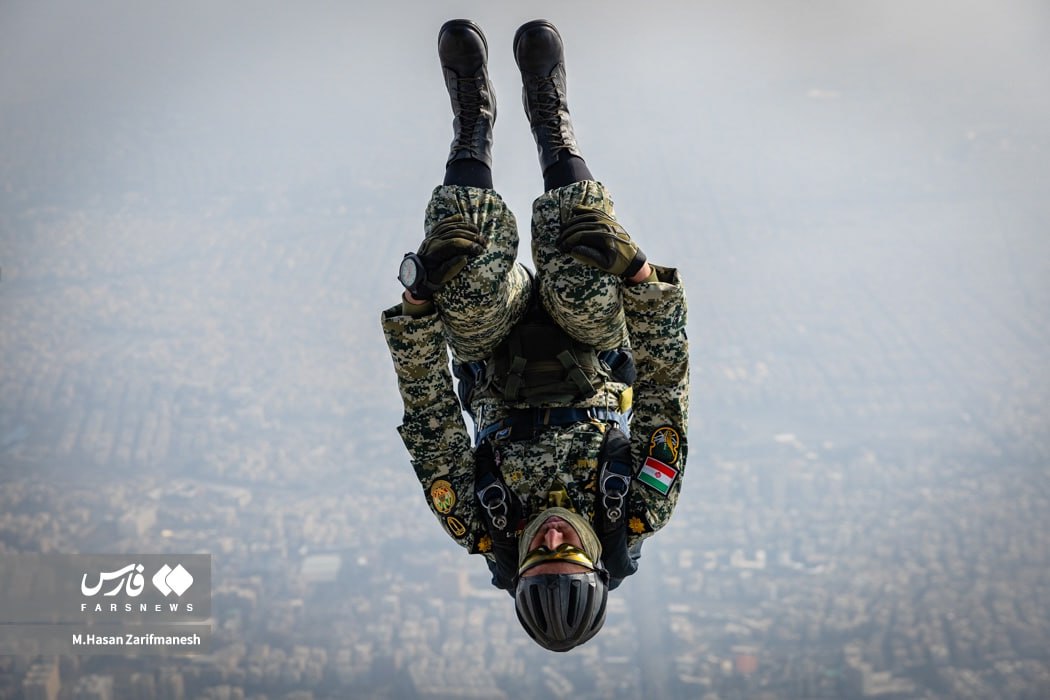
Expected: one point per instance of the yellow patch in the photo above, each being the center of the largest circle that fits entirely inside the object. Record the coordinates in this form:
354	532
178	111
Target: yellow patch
626	399
443	496
664	444
587	463
636	525
455	526
484	544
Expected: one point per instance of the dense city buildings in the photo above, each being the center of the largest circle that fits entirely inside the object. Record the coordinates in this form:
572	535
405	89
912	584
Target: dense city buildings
191	361
868	522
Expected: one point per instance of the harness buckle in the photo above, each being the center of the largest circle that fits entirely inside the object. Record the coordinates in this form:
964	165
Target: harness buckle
614	489
496	507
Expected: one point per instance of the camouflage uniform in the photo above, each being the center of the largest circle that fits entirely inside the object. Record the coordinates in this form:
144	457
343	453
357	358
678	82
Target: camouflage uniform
476	310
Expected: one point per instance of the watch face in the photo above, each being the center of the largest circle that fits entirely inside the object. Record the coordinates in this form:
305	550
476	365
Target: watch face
409	272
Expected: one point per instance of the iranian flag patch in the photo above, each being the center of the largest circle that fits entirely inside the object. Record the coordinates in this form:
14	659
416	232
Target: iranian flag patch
657	475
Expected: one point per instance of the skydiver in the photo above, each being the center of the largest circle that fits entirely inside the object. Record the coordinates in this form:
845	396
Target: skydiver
576	376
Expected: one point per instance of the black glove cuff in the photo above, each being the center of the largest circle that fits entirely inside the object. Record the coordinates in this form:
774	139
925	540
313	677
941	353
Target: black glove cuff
424	290
635	266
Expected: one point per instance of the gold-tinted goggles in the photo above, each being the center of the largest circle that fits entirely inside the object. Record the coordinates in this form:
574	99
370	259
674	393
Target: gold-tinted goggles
564	552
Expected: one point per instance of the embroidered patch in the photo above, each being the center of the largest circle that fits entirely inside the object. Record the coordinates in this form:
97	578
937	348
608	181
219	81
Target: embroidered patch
664	444
637	525
485	544
657	475
455	526
443	496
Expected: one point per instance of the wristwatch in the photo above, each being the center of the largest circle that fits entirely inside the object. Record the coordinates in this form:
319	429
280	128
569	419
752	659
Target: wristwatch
413	276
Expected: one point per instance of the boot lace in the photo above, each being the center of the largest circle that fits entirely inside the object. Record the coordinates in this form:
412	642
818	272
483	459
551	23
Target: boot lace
546	110
469	96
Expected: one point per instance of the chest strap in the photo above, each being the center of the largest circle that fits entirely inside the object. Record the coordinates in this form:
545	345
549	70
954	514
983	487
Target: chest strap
526	423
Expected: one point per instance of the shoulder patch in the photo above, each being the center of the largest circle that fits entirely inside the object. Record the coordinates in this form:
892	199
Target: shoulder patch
657	475
455	526
638	526
664	444
443	496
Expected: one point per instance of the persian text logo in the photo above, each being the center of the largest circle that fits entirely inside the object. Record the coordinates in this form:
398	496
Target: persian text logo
169	580
128	578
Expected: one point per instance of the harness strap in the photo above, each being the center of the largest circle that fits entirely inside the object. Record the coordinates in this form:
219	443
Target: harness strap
575	373
515	377
525	423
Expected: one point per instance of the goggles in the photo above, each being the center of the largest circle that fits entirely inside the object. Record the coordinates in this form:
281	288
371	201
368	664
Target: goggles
564	552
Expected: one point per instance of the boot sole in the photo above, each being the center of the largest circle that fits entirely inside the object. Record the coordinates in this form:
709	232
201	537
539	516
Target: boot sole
465	23
526	27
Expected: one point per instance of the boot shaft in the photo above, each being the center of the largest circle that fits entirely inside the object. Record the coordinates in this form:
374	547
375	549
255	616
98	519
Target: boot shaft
463	52
539	53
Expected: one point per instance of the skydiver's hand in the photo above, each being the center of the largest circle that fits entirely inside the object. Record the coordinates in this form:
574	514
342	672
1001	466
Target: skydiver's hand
594	238
446	251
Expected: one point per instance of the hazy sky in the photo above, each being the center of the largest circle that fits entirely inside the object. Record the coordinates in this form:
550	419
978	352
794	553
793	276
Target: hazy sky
793	158
785	112
799	97
734	137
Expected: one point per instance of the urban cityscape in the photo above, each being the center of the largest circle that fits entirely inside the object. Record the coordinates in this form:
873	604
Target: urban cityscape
196	367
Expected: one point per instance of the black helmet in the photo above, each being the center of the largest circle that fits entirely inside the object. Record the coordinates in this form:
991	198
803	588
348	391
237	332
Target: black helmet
561	611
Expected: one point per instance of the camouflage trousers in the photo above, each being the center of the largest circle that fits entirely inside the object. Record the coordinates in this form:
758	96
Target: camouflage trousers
484	301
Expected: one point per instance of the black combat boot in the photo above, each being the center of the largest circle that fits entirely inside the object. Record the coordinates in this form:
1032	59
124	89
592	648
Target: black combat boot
540	56
464	52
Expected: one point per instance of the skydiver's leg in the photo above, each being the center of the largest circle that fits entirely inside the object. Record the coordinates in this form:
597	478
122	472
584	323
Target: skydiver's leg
583	300
463	53
479	305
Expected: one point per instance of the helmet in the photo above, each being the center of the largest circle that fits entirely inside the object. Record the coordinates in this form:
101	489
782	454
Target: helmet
561	611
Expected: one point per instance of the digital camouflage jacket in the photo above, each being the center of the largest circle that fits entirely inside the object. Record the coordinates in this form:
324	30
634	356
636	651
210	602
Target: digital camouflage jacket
559	459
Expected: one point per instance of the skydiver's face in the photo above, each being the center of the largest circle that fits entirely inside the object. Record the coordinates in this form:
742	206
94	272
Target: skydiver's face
552	533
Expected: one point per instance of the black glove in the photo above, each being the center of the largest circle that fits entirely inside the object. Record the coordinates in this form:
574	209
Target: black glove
596	239
445	252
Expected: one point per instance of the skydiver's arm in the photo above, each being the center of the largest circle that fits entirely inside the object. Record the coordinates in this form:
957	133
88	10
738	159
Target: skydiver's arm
432	428
656	318
642	275
416	307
